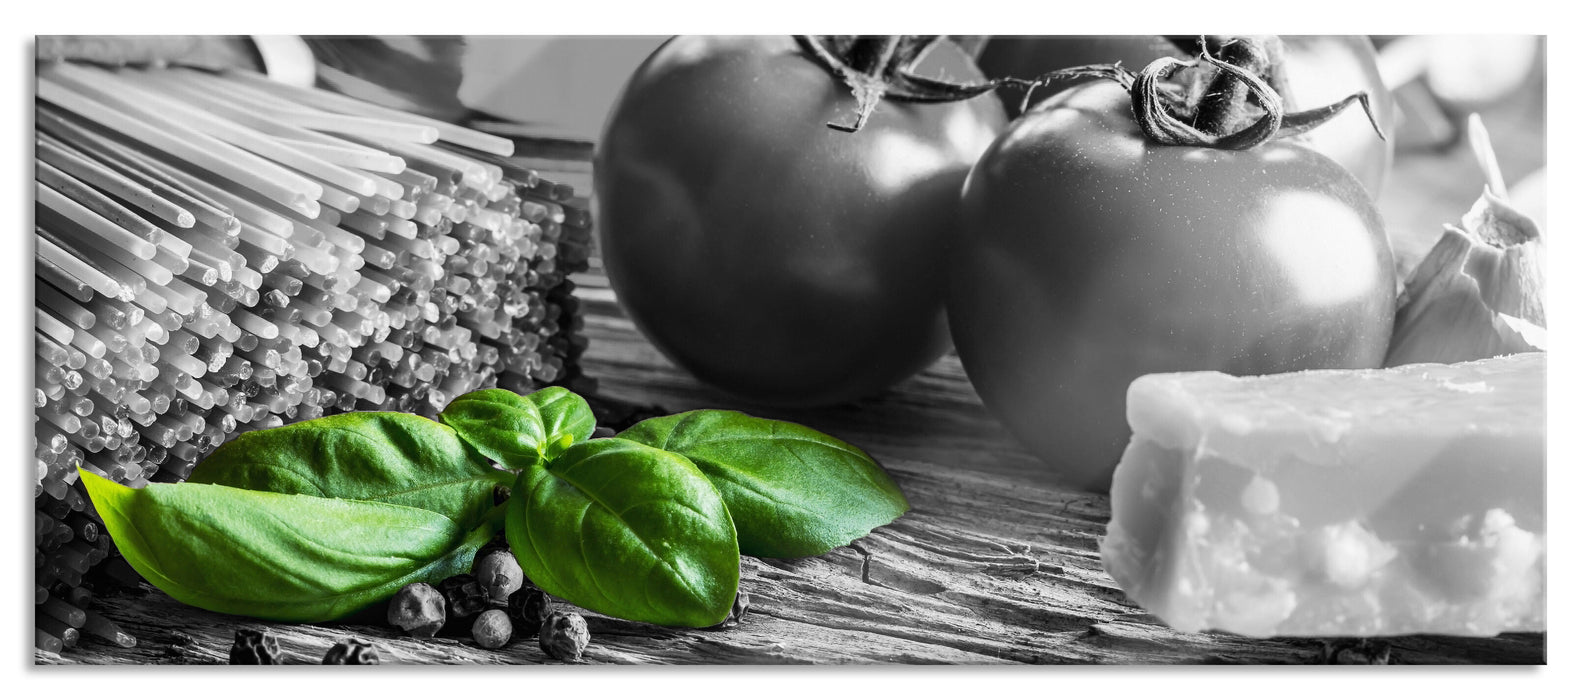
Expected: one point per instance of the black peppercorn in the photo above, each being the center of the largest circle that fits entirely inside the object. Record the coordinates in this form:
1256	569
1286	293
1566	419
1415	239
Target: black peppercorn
351	651
563	636
255	647
418	609
492	629
499	574
1361	651
739	609
528	608
464	596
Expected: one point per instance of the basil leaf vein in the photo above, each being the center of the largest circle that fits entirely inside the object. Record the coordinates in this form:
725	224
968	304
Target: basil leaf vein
388	457
626	530
502	425
792	491
283	557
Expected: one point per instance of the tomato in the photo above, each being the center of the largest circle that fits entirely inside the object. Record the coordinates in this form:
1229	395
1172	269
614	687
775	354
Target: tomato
1320	70
1090	257
766	253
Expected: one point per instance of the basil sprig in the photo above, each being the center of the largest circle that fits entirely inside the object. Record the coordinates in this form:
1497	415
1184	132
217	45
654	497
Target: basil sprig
317	520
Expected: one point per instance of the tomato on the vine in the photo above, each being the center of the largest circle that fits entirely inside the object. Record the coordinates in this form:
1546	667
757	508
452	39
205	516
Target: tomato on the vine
764	252
1092	255
1320	70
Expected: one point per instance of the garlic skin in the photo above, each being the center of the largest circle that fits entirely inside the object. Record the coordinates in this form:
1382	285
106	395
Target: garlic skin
1478	293
1531	196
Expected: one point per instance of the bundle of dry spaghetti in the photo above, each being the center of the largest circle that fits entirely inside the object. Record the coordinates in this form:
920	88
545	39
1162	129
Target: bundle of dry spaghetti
218	253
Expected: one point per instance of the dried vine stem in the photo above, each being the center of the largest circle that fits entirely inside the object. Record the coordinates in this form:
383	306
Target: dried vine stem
1248	71
1218	116
878	68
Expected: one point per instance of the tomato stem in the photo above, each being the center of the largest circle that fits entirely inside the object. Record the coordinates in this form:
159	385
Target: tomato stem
1273	72
1248	72
1152	108
870	55
1224	104
1245	68
880	67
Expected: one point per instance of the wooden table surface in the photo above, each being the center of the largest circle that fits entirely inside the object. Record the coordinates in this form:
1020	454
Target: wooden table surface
995	563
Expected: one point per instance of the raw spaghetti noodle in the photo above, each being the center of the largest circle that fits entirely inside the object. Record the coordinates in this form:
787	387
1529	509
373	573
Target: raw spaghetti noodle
219	253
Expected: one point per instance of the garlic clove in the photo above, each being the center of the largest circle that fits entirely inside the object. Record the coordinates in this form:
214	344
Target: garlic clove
1443	315
1479	292
1530	196
1493	220
1509	263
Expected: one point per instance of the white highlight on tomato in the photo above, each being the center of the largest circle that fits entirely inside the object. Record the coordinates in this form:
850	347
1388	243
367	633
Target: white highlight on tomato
1323	246
903	159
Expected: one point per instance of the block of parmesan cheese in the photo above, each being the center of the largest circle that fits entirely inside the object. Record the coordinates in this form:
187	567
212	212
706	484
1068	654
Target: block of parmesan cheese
1336	503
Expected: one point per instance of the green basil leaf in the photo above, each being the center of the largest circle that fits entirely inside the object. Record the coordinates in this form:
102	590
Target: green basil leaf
291	558
503	425
396	458
792	491
626	530
566	416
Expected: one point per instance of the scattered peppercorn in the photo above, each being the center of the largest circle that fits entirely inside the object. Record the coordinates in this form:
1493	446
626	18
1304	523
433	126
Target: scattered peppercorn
739	609
499	574
1364	652
492	629
255	647
563	636
351	651
418	609
464	597
528	608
